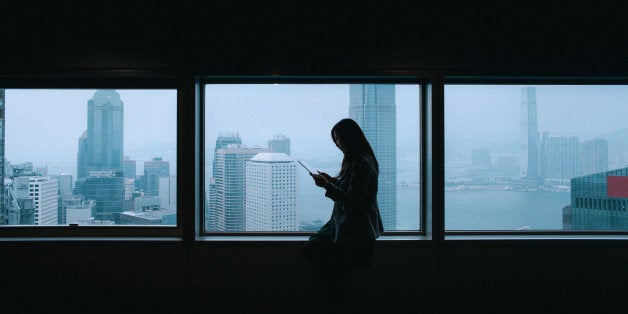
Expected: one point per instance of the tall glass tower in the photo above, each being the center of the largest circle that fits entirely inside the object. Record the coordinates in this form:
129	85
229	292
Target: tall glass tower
372	106
529	154
101	146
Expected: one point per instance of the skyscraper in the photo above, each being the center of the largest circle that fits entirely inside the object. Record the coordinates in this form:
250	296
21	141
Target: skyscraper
372	106
153	170
107	189
593	156
227	193
271	193
559	159
280	144
529	154
101	146
3	210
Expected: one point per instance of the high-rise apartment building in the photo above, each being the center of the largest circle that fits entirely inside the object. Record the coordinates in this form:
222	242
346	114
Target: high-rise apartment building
44	194
559	159
153	170
271	193
227	193
372	106
101	145
3	210
593	156
280	144
106	188
529	135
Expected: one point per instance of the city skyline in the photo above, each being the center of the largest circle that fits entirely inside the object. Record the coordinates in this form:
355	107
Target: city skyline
55	119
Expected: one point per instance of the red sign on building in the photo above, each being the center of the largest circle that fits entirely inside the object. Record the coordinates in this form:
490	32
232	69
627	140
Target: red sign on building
617	186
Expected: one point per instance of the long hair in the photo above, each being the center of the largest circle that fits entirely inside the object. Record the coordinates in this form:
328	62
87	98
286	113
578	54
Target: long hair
354	141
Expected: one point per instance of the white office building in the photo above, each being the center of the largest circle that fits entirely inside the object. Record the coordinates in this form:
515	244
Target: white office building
271	193
44	193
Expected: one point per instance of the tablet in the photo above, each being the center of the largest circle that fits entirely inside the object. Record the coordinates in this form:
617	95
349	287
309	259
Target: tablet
306	166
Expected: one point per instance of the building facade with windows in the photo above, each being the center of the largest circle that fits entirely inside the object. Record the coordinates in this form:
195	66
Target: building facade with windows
593	156
106	188
272	191
101	145
227	194
44	195
373	107
155	169
594	206
559	162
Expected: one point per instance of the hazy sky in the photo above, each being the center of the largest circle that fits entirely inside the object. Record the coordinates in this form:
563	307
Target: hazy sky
491	113
304	113
43	126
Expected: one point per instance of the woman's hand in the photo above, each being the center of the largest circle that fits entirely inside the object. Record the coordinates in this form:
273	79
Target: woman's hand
326	176
320	179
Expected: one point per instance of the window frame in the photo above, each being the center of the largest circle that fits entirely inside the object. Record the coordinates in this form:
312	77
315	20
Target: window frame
466	79
112	79
422	80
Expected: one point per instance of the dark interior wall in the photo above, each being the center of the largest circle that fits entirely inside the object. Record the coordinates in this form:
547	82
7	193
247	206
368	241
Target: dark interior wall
273	38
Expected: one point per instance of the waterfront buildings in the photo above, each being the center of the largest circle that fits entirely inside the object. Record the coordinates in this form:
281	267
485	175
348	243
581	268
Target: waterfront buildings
373	107
559	159
271	193
593	156
598	202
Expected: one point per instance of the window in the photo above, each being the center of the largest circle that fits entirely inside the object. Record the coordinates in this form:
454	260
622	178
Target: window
88	157
536	157
254	134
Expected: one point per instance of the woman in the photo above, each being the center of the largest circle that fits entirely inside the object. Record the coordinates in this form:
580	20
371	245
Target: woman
347	240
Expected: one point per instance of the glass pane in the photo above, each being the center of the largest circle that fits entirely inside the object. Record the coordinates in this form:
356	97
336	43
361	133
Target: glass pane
256	133
88	157
536	157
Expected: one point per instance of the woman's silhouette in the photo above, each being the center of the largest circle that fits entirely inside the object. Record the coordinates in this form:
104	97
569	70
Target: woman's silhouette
347	240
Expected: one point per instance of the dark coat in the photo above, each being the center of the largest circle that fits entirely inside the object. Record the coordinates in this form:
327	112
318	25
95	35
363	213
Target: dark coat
347	240
355	218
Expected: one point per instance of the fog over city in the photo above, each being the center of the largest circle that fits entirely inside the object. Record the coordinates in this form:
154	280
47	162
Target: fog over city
304	113
43	126
489	115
